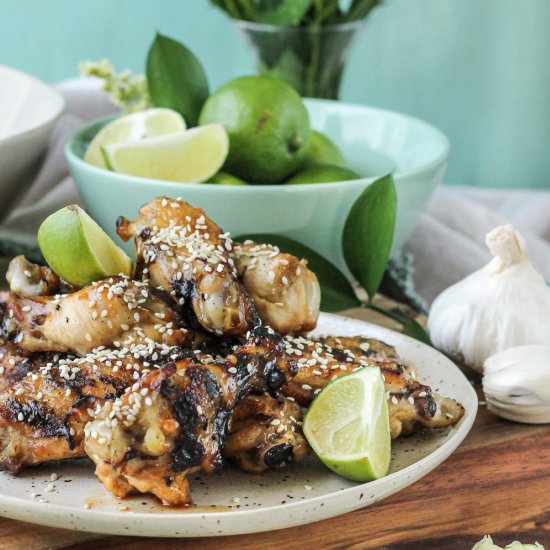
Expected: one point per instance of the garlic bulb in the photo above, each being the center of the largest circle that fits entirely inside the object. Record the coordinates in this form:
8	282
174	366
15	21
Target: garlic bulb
504	304
516	383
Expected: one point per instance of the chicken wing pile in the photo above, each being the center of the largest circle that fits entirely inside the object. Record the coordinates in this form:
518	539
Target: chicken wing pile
201	358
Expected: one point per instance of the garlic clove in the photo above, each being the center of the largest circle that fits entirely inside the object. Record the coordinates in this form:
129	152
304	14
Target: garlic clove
516	383
503	305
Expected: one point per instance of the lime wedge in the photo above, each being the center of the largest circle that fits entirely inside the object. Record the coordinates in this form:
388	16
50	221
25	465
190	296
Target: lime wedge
191	156
144	124
348	426
78	250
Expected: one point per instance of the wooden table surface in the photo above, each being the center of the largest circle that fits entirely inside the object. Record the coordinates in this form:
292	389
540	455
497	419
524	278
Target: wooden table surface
497	482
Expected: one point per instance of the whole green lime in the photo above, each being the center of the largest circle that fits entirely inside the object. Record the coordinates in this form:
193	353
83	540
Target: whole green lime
223	178
322	150
323	173
268	127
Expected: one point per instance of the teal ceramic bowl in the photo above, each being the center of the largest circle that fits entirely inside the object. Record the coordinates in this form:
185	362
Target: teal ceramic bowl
375	142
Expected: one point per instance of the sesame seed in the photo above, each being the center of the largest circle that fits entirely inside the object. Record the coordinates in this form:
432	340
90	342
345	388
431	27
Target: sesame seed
26	308
308	487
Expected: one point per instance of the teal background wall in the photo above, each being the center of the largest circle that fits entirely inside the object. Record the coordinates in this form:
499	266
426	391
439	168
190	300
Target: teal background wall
478	69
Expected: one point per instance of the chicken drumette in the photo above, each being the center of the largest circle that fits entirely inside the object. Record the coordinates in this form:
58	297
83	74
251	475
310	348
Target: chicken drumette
266	433
185	253
117	309
175	420
411	405
181	250
46	399
286	293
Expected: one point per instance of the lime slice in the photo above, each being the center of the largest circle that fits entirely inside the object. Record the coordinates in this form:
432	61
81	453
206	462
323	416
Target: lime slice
78	250
191	156
348	426
148	123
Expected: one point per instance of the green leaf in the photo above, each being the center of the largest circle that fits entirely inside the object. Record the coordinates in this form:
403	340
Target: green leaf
414	329
336	291
176	78
368	233
280	12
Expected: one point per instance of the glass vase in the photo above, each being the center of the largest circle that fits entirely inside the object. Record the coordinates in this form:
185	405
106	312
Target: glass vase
311	59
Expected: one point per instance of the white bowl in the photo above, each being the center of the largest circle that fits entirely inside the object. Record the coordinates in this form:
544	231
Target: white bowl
373	141
29	110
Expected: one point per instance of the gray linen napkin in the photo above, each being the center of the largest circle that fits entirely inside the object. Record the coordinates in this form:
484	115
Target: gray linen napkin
446	246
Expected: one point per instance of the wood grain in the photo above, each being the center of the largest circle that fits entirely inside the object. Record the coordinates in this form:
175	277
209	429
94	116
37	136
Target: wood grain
496	482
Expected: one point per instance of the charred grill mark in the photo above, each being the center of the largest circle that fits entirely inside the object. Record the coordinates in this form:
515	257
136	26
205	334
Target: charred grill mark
76	384
189	451
278	455
221	430
118	384
187	291
392	368
144	234
425	403
340	355
19	371
267	364
132	454
41	418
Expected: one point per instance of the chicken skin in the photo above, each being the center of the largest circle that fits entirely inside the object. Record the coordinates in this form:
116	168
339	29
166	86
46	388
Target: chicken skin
113	310
411	405
266	433
286	293
175	420
47	399
179	249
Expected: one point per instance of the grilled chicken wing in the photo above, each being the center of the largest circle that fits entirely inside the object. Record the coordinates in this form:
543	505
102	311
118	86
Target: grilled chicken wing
114	310
265	434
411	404
46	399
31	279
286	293
174	421
179	249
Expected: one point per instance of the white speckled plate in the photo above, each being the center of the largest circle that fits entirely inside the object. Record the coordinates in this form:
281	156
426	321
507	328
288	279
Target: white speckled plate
235	502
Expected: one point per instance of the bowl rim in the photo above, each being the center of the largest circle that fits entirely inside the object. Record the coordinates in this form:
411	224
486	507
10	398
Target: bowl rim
59	107
441	158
